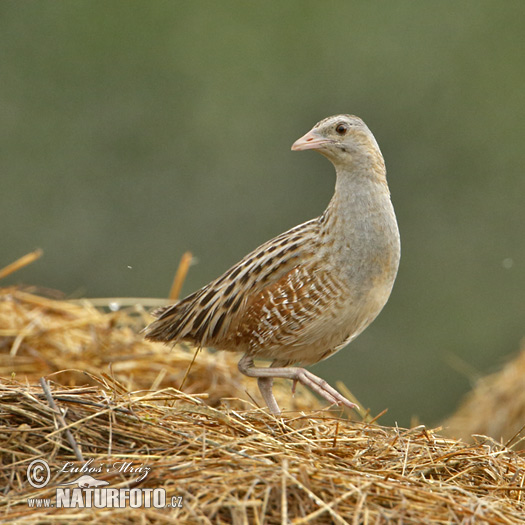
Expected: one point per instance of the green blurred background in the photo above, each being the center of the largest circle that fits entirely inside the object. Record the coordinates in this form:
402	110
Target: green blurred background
134	131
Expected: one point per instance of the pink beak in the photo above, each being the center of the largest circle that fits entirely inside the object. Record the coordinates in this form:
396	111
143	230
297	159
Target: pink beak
310	141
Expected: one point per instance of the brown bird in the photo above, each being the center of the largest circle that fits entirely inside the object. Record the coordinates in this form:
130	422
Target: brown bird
305	294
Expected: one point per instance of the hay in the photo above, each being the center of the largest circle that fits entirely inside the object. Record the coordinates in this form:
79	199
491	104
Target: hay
229	461
41	336
249	467
495	407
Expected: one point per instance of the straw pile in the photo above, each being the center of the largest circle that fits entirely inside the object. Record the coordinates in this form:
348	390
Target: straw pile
40	336
248	467
495	407
110	398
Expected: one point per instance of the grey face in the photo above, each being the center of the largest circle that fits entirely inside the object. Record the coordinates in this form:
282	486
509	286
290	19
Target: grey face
343	139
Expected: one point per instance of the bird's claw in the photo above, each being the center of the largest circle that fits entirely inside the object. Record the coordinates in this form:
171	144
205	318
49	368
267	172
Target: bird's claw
321	387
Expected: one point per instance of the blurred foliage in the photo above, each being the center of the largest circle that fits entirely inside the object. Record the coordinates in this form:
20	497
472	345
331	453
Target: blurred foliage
133	131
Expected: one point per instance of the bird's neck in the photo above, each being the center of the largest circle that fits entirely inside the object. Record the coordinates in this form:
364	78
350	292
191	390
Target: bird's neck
360	220
360	195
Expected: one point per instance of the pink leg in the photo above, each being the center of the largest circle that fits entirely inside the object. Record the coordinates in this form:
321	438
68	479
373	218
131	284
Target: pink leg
265	381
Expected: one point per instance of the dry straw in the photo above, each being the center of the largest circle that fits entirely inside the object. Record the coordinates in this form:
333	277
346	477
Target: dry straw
495	407
110	397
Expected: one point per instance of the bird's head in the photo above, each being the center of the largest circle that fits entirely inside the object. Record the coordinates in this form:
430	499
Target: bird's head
345	140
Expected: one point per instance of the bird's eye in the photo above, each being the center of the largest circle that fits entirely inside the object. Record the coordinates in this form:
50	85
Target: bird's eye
341	129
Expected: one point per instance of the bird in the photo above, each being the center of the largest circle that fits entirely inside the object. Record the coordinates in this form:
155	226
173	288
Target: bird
302	296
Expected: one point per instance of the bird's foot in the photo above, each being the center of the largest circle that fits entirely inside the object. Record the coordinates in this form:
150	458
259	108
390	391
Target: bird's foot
319	386
297	375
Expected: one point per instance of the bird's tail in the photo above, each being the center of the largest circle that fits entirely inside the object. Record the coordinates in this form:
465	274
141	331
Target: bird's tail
172	321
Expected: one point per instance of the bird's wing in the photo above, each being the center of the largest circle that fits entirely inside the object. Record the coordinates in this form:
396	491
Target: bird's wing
290	313
205	316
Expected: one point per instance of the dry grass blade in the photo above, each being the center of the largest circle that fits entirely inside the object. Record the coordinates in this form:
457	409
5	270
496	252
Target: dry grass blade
180	275
20	263
45	387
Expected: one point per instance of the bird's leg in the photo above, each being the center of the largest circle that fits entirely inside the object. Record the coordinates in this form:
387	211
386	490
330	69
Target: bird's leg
265	387
265	383
294	386
315	383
